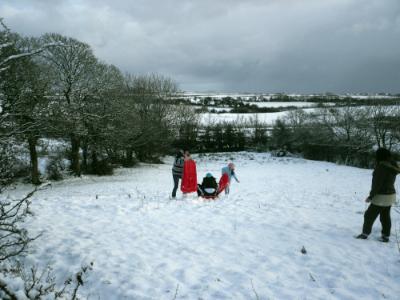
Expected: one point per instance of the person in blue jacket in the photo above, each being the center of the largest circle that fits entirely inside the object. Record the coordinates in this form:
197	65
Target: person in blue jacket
230	171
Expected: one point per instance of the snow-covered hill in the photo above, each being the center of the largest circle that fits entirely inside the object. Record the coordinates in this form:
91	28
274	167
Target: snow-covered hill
243	246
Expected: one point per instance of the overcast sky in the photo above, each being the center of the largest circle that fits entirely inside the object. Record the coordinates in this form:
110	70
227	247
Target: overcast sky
233	45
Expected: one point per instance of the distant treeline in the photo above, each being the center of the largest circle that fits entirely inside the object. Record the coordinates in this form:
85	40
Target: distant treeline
346	135
239	105
332	98
224	137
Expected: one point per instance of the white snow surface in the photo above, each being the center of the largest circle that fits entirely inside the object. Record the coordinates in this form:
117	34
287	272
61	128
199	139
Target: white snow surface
283	104
268	118
243	246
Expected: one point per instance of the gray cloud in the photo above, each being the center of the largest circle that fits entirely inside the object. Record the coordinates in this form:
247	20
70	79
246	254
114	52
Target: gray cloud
231	45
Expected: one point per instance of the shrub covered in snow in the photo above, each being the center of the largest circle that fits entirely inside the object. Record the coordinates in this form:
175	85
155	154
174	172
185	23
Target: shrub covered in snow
7	162
55	168
101	167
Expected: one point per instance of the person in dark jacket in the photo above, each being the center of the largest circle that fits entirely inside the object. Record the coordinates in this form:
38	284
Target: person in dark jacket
177	170
382	195
209	186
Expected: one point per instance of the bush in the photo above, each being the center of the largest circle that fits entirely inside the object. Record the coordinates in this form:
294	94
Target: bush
101	167
340	154
153	160
55	168
12	163
128	163
7	163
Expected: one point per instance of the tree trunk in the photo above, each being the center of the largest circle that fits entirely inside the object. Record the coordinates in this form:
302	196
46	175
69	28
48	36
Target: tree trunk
85	157
32	141
128	158
141	155
75	159
95	162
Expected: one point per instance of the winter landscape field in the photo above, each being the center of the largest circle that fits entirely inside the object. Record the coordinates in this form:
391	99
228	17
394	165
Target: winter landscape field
104	104
247	245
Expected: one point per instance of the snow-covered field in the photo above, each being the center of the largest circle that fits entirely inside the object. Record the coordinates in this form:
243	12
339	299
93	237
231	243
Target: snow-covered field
268	118
243	246
283	104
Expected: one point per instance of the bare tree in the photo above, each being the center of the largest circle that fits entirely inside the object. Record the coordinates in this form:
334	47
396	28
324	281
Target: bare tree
100	113
146	106
384	123
347	125
395	125
25	101
185	126
259	131
74	68
23	89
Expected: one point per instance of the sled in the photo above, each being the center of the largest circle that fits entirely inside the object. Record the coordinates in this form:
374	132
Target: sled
189	178
223	183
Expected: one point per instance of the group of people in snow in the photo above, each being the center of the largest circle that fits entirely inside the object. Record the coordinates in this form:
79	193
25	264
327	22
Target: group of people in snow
209	188
381	197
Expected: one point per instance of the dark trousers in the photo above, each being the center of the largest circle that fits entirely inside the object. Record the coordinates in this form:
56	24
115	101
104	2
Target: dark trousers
199	190
384	216
176	184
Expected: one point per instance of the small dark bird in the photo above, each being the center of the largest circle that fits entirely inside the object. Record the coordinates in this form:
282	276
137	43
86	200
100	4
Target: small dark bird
303	250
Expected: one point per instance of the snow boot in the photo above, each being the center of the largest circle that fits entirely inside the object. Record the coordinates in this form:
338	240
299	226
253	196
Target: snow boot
362	236
384	239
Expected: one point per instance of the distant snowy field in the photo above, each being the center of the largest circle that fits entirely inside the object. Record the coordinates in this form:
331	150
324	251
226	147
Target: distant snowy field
245	246
269	118
283	104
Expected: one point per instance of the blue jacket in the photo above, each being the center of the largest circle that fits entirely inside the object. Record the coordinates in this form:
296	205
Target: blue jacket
231	173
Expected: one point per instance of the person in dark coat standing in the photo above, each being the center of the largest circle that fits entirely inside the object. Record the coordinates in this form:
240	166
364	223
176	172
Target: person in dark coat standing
382	195
177	170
